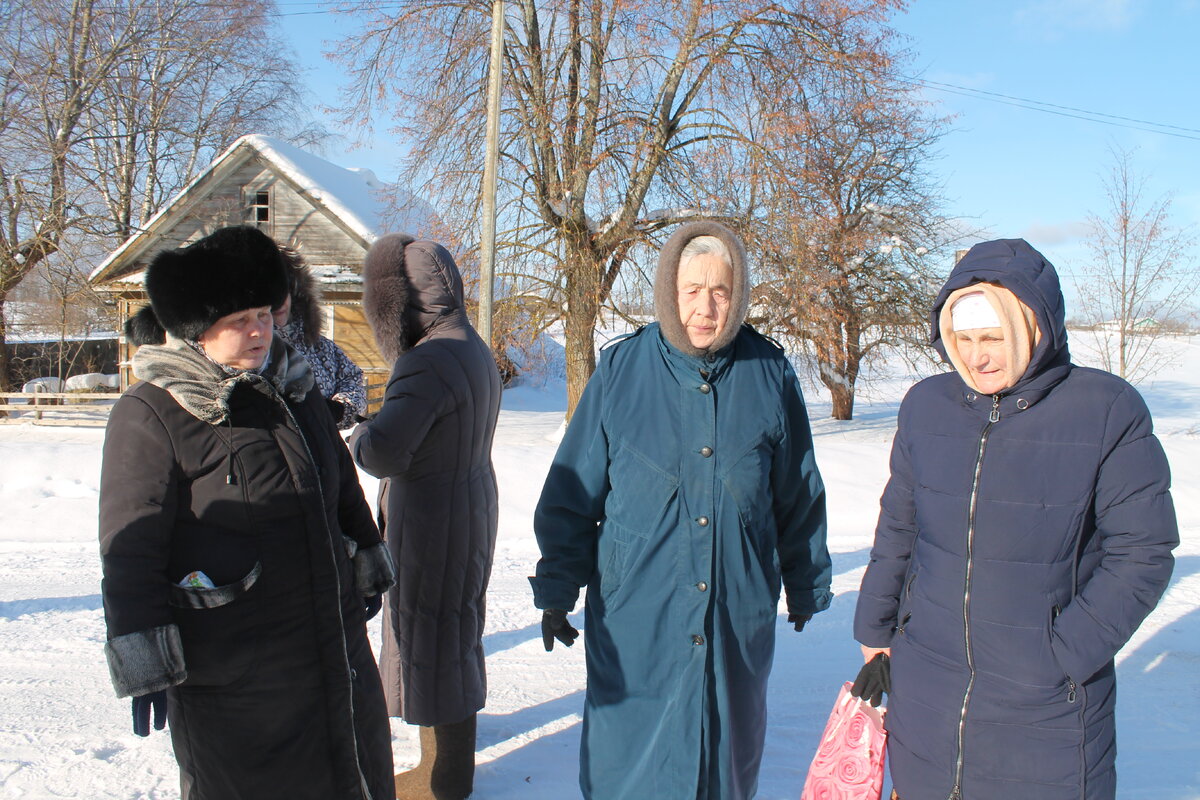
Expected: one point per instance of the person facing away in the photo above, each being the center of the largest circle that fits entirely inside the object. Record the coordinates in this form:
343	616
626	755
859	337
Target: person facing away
298	322
1025	533
684	492
239	555
431	444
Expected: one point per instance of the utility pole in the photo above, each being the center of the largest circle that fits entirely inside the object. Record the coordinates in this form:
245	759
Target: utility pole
487	238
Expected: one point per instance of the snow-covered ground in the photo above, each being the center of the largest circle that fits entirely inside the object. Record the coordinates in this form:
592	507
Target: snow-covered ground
64	735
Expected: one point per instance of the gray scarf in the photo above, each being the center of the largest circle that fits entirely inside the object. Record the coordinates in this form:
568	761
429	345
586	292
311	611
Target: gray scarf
202	386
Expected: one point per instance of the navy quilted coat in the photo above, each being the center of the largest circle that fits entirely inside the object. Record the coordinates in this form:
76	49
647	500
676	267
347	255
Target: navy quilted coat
683	503
1022	539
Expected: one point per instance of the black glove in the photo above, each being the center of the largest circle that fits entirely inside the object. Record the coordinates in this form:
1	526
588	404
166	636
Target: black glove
799	620
555	626
874	680
141	712
337	409
372	604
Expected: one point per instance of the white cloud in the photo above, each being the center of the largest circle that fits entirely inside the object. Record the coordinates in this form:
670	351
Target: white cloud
1052	17
1055	234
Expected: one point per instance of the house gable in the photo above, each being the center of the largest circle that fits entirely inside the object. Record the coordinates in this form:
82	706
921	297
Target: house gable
329	214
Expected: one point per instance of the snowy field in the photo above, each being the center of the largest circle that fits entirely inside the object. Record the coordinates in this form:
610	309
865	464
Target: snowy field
64	735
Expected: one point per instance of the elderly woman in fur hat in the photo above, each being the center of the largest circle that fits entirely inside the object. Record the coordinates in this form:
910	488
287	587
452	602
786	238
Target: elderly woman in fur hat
240	558
1025	533
683	495
431	446
298	322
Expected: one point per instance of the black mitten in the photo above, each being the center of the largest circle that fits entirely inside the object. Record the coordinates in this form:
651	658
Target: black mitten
555	626
799	620
874	680
141	712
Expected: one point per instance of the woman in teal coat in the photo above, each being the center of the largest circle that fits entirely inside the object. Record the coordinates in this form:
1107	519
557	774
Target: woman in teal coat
684	493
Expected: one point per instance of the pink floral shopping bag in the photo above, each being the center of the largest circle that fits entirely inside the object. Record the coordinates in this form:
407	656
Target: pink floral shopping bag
849	761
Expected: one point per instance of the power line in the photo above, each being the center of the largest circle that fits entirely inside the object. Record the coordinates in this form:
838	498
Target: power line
1116	120
1086	115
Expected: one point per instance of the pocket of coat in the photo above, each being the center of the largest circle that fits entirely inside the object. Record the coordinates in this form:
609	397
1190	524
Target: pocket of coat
221	638
200	598
1055	610
640	491
614	544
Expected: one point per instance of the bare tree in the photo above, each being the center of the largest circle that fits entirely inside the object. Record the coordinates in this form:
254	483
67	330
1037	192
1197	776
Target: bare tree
848	229
1142	274
607	108
210	76
88	145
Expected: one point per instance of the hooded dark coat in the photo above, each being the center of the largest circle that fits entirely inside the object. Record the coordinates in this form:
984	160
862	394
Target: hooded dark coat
272	688
1022	539
684	495
431	444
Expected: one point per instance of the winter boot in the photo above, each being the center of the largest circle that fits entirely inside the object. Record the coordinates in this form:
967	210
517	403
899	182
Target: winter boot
447	768
414	784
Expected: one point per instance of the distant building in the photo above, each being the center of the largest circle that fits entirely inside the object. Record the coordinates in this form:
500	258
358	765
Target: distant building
1140	325
329	214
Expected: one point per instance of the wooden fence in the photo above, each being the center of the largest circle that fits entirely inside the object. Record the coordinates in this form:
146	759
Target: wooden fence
57	408
91	408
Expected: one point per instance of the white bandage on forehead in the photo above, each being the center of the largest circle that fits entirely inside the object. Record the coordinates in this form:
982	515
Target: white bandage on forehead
973	311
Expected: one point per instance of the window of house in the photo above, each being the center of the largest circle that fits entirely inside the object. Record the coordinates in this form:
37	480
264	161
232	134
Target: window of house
259	213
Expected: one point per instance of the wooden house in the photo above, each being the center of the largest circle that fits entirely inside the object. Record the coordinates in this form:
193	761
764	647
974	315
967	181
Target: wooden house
329	214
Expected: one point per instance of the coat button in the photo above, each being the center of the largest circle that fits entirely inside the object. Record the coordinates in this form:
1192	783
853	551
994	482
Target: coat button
702	521
705	388
706	451
972	397
697	640
702	586
353	674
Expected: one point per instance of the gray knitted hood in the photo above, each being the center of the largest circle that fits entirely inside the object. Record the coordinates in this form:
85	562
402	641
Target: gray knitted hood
666	291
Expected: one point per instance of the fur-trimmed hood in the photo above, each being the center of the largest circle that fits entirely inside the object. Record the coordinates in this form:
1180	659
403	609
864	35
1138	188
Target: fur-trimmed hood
306	297
666	290
410	288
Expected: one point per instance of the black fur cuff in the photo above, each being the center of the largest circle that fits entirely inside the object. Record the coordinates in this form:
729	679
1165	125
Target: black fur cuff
374	572
146	661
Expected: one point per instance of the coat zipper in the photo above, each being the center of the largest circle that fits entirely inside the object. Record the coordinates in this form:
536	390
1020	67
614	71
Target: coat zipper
1071	687
363	783
993	418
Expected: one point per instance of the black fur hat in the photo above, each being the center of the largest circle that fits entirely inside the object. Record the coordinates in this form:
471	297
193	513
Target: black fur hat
229	270
143	328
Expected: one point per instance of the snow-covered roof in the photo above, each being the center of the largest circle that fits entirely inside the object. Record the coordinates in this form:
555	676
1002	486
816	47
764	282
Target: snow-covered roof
353	196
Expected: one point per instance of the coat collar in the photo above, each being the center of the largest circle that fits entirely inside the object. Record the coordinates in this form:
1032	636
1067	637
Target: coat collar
685	366
1025	395
203	387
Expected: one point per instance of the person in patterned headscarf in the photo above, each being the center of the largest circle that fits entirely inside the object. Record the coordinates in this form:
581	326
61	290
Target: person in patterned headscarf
298	322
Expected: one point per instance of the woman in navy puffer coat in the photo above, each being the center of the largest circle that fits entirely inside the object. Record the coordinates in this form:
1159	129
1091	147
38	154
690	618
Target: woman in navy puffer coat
1025	533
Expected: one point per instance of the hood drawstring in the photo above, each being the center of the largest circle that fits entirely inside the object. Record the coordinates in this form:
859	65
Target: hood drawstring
230	476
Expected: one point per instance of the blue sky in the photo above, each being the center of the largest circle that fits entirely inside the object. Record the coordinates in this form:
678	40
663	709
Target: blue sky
1008	169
